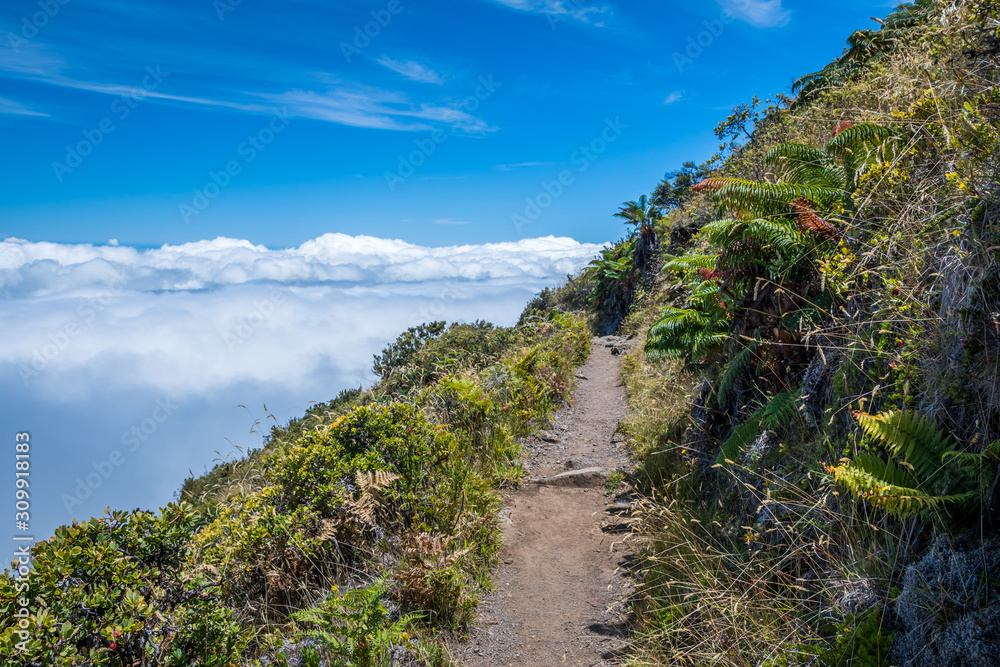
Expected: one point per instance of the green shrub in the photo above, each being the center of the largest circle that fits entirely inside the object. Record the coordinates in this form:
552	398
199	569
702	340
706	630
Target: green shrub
321	470
116	591
356	628
861	641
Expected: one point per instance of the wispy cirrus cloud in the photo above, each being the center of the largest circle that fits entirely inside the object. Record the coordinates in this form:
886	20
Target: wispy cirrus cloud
674	97
412	70
363	106
326	98
758	13
12	108
594	15
522	165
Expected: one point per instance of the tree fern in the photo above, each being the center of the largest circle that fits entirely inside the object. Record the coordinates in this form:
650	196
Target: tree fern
695	331
775	414
864	49
685	332
928	476
747	199
779	235
859	146
807	165
737	364
688	265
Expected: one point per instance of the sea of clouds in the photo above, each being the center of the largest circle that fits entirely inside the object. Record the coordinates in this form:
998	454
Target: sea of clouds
134	367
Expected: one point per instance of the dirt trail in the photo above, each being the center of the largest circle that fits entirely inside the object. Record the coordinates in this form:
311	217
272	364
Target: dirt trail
559	594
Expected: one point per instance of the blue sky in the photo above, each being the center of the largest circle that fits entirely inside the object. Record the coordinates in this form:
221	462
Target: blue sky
285	196
560	69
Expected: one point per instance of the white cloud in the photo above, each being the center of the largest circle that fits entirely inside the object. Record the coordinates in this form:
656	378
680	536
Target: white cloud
412	70
341	102
376	109
193	319
758	13
674	97
521	165
12	108
563	9
50	270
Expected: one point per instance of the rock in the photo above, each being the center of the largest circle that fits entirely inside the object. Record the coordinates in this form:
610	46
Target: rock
579	479
949	612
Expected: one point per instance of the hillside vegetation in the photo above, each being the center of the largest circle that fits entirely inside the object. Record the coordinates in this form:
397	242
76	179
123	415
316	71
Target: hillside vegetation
357	536
815	406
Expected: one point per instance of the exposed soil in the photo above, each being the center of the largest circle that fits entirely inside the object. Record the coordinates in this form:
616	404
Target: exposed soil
560	595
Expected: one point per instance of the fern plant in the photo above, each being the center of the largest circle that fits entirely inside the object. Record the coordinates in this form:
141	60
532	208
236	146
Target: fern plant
925	476
773	230
356	628
697	331
616	278
738	363
644	216
864	49
827	177
774	415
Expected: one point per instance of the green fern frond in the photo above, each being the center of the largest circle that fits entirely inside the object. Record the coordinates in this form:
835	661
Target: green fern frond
866	478
796	153
861	145
807	165
742	436
736	365
689	332
751	199
914	439
689	264
929	477
779	410
773	416
705	297
779	235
